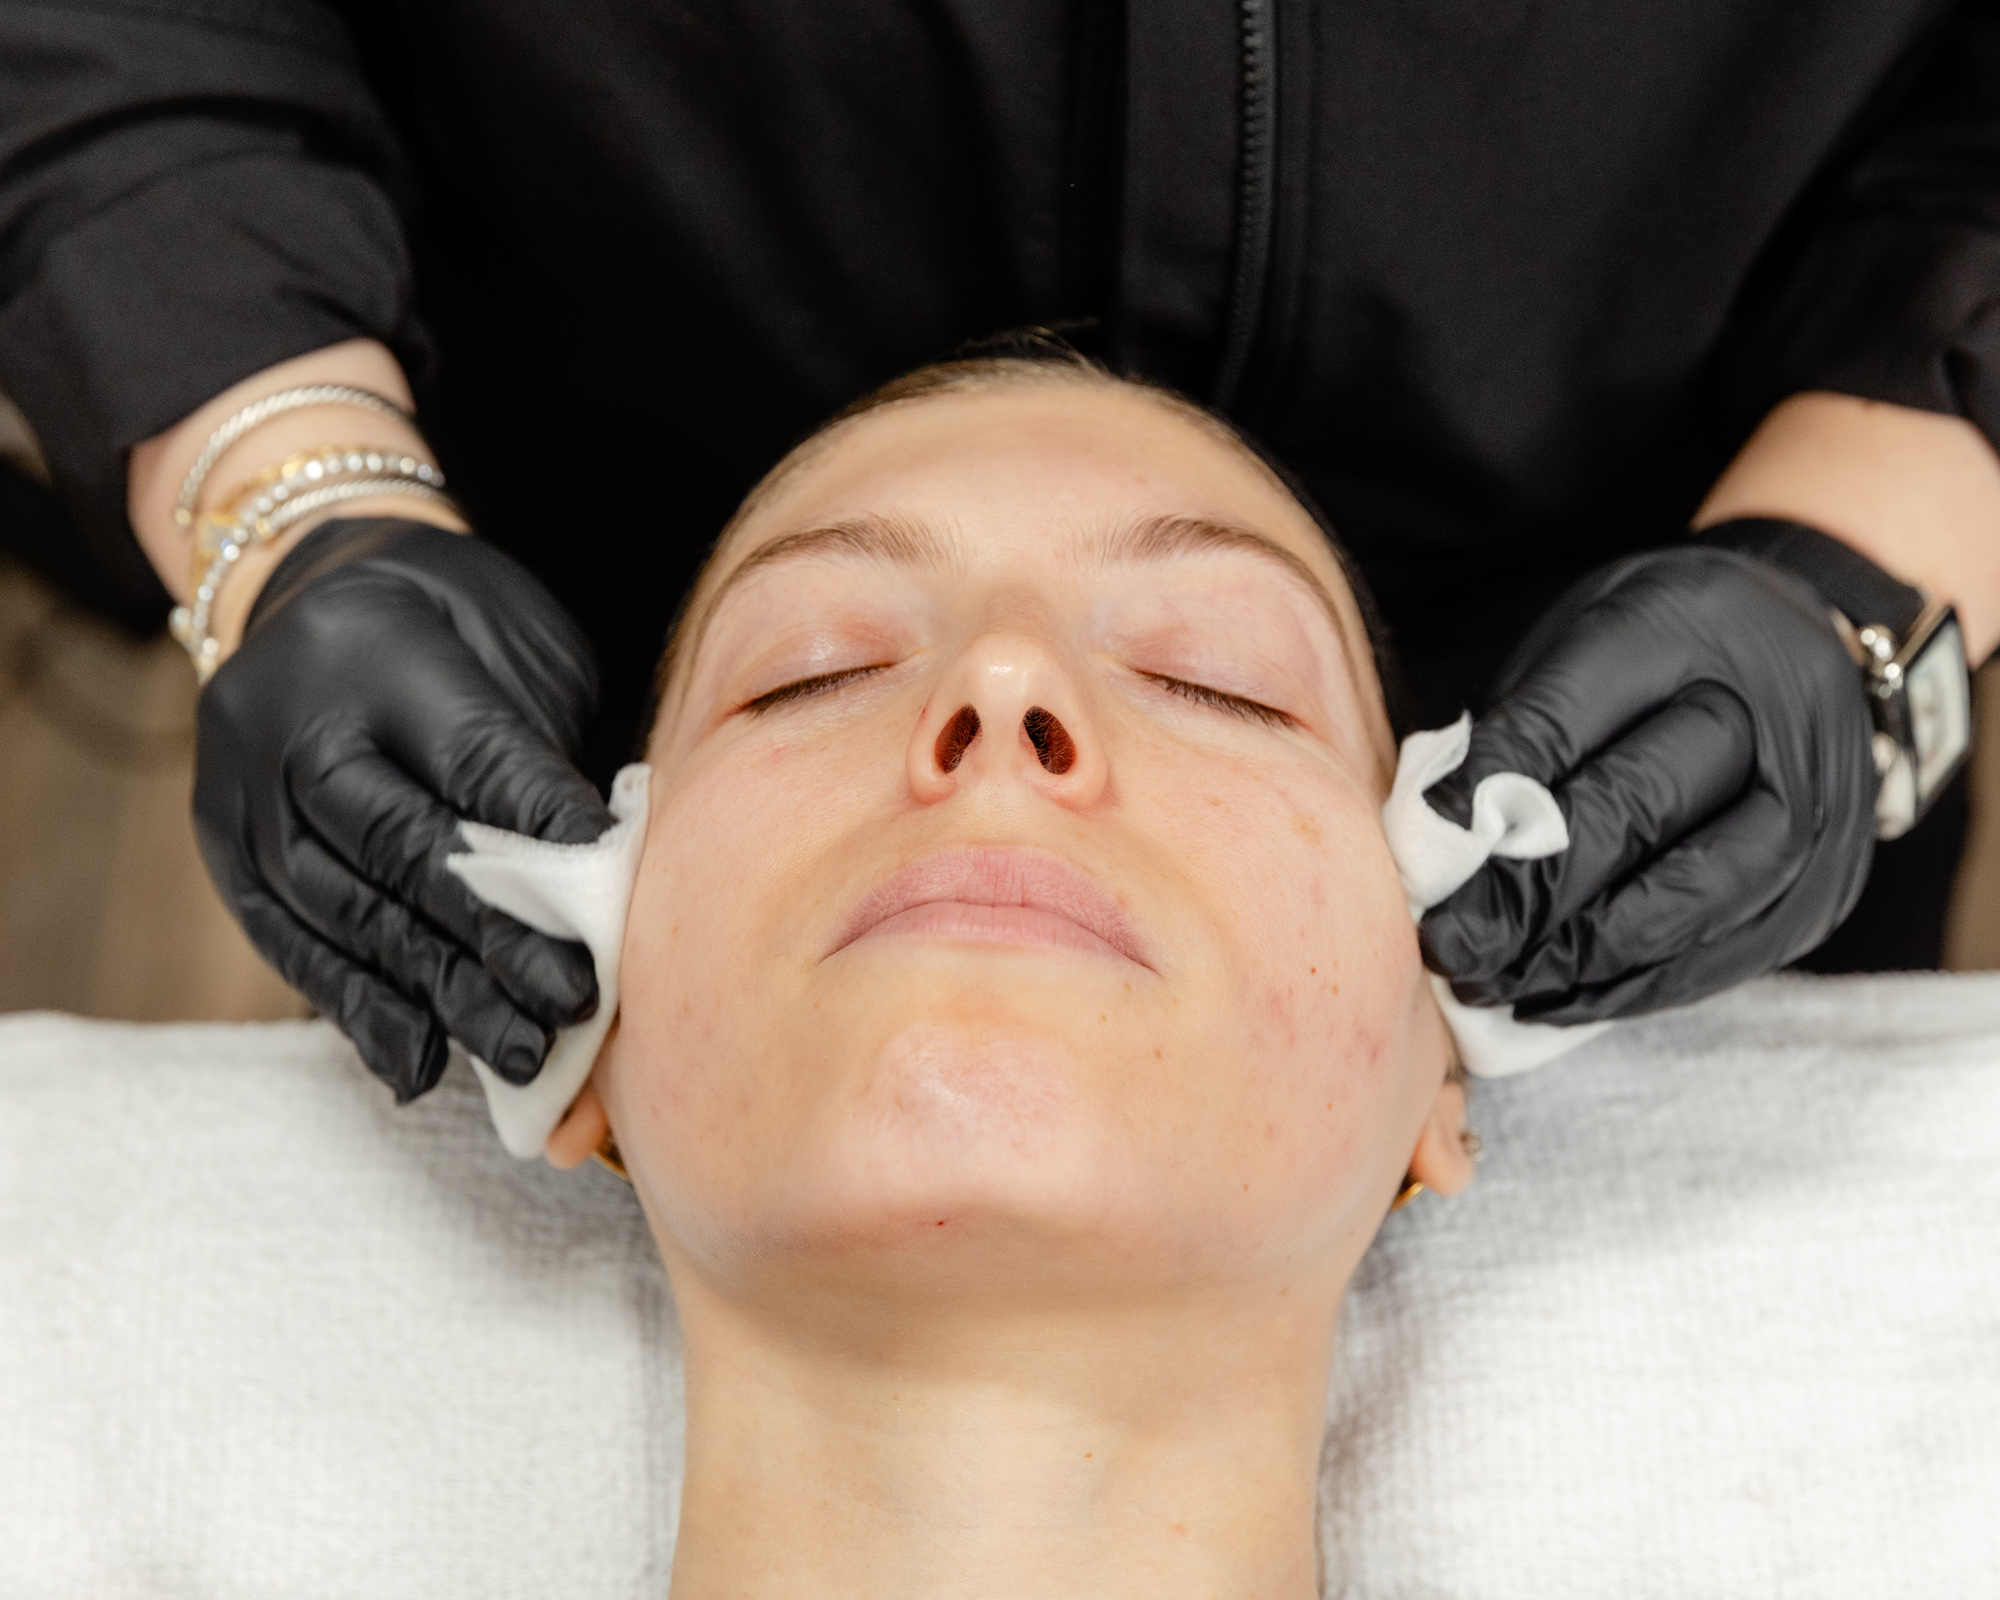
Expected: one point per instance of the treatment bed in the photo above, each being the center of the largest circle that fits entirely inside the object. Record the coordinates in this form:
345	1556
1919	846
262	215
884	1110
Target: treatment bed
1720	1317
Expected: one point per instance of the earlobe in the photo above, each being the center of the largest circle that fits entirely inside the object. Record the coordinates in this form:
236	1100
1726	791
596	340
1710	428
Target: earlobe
580	1132
1443	1159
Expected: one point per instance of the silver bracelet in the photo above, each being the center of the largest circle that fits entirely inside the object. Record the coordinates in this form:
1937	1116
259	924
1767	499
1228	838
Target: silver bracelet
259	412
189	624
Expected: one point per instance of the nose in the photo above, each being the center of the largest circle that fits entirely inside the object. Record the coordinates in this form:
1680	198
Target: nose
1008	709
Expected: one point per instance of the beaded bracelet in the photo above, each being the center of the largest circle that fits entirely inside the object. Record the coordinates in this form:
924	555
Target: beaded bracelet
246	512
270	503
259	412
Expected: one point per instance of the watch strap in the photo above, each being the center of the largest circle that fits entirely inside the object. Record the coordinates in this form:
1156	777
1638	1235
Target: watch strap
1851	583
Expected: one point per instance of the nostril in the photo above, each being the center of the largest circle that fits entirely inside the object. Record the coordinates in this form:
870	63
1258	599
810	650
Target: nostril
955	737
1051	740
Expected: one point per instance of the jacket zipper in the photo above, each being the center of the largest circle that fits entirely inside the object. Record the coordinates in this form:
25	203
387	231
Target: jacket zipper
1255	200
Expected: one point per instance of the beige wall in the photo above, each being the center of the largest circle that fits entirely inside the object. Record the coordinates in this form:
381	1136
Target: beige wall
104	906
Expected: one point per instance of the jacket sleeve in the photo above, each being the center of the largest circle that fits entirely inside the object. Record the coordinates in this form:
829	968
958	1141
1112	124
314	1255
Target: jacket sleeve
1893	292
190	190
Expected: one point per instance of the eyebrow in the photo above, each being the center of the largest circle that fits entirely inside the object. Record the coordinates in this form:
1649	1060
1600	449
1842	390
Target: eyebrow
904	542
1161	538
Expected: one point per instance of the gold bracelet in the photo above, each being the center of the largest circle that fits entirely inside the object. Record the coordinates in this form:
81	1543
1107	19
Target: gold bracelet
247	511
262	508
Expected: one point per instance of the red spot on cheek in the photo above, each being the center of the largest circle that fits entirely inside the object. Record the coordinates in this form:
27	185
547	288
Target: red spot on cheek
940	1222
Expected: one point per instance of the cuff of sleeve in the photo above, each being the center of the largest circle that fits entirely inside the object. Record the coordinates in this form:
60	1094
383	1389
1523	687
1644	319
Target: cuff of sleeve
153	305
1895	307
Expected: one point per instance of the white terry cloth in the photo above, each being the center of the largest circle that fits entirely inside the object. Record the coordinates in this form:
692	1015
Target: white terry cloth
1719	1317
569	891
1512	815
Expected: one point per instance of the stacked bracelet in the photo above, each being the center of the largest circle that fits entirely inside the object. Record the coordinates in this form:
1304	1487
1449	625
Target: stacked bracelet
260	510
259	412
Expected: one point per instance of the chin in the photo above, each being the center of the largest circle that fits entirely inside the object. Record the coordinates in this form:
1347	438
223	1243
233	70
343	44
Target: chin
970	1161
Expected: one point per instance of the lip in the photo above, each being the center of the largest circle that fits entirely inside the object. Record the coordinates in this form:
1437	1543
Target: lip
998	896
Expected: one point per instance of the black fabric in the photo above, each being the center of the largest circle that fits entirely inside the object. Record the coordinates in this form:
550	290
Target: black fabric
1534	269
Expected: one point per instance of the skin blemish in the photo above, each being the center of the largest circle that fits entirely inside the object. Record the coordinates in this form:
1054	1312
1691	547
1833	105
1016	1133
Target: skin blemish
1306	828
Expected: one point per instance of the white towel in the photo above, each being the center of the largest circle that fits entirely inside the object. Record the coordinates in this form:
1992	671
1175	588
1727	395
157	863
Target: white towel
1512	815
569	891
1719	1318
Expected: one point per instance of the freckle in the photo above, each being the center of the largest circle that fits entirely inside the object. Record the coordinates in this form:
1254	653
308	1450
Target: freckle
1156	1055
1336	988
1246	1188
1103	1019
1329	1105
1283	1292
1314	969
1180	1527
1306	828
1213	801
1086	1455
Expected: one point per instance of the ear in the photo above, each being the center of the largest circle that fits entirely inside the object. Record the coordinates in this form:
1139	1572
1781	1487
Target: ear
580	1132
1441	1162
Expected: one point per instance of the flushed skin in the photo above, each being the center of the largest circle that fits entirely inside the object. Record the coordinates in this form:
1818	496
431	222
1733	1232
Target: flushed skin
914	1151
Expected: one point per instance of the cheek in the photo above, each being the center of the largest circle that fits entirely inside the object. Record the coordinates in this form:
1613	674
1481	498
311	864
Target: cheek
715	959
1322	984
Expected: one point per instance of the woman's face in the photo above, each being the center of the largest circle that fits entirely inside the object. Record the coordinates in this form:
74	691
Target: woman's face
1015	907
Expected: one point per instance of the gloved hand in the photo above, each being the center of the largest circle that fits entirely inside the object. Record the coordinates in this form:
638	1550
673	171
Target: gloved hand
1706	735
393	678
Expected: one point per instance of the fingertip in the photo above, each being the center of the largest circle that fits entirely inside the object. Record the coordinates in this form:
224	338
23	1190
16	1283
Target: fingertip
522	1050
553	980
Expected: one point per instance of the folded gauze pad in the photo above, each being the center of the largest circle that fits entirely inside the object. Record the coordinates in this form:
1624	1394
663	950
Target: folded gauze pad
568	891
1512	815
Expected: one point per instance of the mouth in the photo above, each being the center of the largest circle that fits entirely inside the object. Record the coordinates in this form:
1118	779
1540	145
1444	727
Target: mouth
995	896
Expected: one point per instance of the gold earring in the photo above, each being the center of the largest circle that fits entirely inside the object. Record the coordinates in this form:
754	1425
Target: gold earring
606	1154
1412	1187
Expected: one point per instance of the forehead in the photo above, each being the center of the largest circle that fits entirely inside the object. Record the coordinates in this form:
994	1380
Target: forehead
1061	469
1045	474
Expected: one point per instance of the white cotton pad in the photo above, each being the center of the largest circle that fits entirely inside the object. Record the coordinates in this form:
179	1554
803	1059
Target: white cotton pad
1512	815
568	891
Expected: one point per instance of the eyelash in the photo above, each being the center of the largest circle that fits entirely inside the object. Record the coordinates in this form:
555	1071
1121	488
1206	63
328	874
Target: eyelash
806	688
1201	694
1234	704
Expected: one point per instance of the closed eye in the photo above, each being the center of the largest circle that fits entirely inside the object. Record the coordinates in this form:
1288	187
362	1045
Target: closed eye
1235	704
806	688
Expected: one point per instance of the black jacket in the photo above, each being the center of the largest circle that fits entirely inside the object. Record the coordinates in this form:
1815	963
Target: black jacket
1505	281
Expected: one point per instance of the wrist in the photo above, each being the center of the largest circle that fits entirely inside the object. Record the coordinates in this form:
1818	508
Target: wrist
158	468
252	570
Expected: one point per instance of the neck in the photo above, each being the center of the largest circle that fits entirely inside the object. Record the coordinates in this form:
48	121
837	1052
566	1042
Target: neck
1164	1450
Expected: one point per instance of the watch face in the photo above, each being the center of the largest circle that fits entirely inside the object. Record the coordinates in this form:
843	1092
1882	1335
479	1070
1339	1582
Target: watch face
1940	708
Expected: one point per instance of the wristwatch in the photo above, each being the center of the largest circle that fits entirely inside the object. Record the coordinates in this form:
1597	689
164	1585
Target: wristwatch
1908	647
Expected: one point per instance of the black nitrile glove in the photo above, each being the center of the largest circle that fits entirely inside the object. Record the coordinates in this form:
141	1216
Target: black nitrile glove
394	678
1706	735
